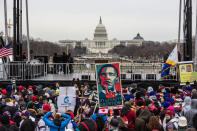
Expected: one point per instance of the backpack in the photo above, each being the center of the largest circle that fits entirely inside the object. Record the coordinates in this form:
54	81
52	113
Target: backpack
100	122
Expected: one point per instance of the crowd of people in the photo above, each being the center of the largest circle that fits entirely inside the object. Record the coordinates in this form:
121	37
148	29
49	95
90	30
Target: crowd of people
34	108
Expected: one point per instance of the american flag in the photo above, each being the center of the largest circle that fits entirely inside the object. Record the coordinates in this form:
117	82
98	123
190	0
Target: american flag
6	51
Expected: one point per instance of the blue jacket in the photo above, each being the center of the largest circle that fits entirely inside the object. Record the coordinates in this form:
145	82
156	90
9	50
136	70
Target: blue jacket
52	126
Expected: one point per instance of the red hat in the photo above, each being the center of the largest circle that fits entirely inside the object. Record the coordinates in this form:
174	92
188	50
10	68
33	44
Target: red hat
46	107
71	115
29	87
21	88
162	87
4	91
169	113
33	98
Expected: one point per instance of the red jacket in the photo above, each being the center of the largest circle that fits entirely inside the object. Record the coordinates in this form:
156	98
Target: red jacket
131	116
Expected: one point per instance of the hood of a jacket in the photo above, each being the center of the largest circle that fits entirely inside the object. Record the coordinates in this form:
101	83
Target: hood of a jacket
187	100
194	104
145	114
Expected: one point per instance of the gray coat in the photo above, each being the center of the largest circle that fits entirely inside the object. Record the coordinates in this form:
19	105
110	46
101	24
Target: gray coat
190	114
187	105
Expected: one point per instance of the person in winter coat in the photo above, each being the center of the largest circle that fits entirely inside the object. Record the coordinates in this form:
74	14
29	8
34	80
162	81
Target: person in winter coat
26	124
122	126
130	115
191	113
6	124
187	105
41	126
143	118
169	117
56	124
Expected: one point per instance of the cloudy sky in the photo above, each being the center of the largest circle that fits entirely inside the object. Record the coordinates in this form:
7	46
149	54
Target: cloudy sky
55	20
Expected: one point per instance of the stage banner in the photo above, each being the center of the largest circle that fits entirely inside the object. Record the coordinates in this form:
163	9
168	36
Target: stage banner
66	99
109	85
185	72
193	76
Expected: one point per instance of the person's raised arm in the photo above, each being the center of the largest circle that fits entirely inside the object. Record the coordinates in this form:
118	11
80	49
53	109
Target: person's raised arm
65	122
46	119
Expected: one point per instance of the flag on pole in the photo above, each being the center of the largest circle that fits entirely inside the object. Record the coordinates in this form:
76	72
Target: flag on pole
103	110
6	51
171	61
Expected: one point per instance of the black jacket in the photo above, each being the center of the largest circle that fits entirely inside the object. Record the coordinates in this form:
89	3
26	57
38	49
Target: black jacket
28	125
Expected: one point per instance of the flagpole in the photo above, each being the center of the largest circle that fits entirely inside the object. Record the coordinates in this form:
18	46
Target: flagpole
20	23
179	30
195	57
6	27
6	24
28	45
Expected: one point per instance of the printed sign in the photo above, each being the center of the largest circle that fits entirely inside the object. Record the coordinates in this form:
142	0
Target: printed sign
109	85
185	72
66	99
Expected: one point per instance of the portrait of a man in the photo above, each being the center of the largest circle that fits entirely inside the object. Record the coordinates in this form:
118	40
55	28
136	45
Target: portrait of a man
189	68
183	68
109	84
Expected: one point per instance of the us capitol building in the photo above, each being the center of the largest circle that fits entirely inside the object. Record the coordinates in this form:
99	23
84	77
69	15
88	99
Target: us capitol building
100	42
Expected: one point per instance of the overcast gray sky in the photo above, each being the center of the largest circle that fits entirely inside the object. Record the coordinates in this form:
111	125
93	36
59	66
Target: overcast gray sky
55	20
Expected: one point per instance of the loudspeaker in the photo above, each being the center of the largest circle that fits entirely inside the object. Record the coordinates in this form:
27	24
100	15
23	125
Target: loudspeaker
123	76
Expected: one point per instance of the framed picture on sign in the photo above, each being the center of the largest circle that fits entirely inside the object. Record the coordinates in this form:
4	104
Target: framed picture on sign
109	84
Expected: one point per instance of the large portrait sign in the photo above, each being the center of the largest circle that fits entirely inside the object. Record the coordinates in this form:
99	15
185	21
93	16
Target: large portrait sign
109	84
186	71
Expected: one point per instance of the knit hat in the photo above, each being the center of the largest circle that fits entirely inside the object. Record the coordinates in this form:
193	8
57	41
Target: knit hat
25	113
29	87
4	91
7	113
114	122
162	87
9	88
127	97
152	93
182	121
17	114
41	86
167	99
33	98
172	101
149	89
21	88
46	107
169	113
166	104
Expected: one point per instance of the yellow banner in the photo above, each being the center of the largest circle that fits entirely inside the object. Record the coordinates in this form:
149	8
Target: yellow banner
193	76
186	71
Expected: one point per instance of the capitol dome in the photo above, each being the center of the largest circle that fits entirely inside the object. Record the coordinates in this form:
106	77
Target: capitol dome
100	32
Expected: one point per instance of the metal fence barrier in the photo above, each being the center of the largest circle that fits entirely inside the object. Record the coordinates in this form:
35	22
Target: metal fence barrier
82	71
